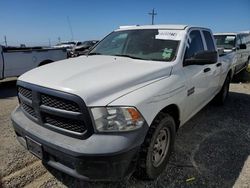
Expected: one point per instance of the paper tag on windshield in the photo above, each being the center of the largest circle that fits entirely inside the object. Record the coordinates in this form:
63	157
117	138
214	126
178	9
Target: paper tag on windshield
169	35
230	38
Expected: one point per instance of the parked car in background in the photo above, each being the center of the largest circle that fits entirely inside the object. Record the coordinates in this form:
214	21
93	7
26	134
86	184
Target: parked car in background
68	45
238	44
83	48
15	61
117	110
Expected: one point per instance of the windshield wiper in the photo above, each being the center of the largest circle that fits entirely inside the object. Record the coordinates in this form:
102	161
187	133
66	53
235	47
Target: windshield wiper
124	55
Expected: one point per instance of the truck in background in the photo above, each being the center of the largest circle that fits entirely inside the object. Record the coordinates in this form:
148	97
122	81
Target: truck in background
83	48
15	61
238	44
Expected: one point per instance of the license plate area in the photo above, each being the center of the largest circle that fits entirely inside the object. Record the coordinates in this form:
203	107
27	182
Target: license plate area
34	147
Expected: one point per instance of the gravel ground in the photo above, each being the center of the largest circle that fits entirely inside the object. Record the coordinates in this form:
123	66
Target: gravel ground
211	150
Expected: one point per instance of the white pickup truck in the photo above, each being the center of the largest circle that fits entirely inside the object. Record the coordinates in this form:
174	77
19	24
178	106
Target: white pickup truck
16	61
116	111
238	46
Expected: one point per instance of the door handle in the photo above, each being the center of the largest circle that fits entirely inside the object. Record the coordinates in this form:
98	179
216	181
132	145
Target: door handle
218	64
206	70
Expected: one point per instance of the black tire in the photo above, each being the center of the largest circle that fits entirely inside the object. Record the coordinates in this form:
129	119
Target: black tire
221	97
148	168
248	65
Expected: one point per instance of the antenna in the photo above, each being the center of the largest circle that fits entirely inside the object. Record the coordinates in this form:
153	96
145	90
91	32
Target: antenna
153	14
70	27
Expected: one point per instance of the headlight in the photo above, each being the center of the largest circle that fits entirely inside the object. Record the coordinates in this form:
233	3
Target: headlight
111	119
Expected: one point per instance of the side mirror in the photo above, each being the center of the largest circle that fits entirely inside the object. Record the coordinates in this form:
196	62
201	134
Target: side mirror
202	58
243	46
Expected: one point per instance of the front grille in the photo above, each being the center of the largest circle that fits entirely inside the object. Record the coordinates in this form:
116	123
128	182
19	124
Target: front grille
58	111
64	123
59	103
29	110
27	93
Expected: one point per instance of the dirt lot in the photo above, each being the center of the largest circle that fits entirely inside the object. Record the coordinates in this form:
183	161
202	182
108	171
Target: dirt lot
213	149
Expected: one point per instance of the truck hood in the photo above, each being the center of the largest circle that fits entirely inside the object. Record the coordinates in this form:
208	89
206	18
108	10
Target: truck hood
98	79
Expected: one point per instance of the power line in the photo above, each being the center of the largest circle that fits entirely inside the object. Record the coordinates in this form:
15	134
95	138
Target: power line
153	14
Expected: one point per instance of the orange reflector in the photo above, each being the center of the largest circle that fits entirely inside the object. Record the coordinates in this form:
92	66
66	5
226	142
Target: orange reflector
134	114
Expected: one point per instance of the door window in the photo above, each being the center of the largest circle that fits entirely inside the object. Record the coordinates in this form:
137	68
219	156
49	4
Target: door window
238	40
195	44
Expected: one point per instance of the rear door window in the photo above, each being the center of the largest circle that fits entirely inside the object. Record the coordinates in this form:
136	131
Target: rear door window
209	41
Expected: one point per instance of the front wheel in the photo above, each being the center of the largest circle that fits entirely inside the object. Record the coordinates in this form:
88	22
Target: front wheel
157	147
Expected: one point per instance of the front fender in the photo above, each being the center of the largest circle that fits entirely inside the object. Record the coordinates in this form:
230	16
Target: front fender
151	99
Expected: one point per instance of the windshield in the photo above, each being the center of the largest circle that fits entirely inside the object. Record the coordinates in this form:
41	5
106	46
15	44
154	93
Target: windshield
138	44
225	41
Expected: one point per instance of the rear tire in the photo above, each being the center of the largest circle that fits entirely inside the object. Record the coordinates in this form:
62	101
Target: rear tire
157	147
248	65
221	97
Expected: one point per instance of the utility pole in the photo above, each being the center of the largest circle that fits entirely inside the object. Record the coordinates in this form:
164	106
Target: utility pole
49	43
5	41
153	14
59	40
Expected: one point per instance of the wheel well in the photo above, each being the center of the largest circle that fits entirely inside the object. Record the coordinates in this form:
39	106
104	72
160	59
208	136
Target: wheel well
45	62
173	110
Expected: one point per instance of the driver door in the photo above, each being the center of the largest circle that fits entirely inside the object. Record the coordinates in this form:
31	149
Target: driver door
214	74
196	76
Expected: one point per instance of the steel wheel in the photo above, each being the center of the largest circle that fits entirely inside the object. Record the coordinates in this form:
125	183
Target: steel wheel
157	147
161	147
